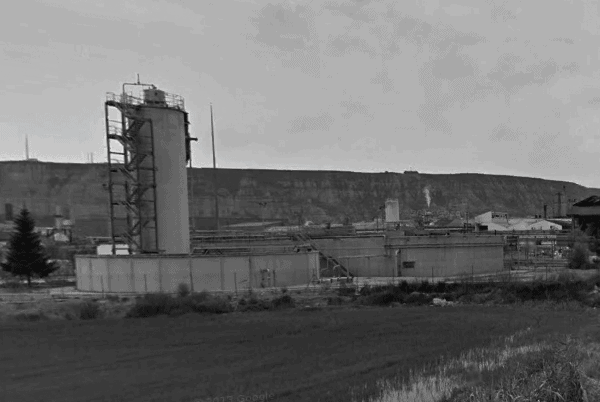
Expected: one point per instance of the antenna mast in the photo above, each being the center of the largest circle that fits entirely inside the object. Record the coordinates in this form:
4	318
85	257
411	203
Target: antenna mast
212	133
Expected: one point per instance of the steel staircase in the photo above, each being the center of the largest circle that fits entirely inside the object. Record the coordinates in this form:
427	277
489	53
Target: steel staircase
131	176
304	238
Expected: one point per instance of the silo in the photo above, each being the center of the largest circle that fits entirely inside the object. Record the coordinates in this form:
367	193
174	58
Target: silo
168	130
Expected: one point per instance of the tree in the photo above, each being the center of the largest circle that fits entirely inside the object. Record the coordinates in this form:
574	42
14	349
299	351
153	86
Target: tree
26	256
579	258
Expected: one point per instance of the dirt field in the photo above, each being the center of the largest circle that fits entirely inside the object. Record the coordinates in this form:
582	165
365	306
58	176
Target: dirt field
278	356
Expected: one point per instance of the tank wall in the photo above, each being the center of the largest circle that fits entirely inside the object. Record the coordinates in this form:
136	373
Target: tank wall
171	179
145	274
448	256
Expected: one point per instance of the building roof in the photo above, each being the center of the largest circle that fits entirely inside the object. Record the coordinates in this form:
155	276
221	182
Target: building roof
593	201
495	226
452	223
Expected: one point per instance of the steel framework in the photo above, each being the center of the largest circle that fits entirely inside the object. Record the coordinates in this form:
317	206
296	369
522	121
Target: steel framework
131	183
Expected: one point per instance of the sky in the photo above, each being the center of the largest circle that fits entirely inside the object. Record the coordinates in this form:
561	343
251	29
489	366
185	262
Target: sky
440	86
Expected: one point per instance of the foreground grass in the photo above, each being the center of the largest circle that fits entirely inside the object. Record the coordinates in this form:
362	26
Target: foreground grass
288	355
521	367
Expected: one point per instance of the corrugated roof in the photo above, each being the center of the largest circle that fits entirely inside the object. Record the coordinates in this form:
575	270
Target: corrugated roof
593	201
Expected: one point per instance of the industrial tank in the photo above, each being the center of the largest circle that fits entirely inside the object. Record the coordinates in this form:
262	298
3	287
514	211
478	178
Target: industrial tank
168	130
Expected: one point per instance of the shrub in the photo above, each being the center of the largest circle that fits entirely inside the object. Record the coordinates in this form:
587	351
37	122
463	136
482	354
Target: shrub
151	305
214	305
283	302
159	304
424	287
404	286
202	296
311	308
89	310
284	290
334	301
381	298
183	289
440	287
365	290
30	316
255	304
418	298
579	258
112	298
345	290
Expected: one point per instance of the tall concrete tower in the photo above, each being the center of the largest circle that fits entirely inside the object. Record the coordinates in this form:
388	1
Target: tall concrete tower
169	126
148	186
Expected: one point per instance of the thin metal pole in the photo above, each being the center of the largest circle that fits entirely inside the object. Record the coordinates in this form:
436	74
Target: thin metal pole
191	201
110	183
212	133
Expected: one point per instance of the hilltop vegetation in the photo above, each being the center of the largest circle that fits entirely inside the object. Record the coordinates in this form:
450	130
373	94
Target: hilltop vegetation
290	196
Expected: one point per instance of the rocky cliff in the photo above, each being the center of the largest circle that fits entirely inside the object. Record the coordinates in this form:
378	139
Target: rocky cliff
289	196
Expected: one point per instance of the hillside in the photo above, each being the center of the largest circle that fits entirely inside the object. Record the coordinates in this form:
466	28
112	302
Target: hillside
290	196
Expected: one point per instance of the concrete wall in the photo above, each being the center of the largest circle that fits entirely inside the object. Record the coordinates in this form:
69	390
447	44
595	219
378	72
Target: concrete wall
440	256
141	274
375	256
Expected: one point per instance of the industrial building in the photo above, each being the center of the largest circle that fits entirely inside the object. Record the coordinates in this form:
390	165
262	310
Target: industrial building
586	212
151	248
148	145
500	221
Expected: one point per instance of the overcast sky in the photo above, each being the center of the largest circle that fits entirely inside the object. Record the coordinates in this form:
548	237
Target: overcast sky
443	86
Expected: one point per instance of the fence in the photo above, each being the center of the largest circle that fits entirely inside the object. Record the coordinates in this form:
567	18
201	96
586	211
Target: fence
538	274
147	274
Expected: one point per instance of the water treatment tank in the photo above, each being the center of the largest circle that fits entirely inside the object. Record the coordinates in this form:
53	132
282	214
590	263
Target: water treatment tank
168	125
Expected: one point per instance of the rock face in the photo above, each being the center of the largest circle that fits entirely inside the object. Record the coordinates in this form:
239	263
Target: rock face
285	196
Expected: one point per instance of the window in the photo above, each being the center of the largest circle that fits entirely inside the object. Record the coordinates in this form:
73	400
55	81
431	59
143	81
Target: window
408	264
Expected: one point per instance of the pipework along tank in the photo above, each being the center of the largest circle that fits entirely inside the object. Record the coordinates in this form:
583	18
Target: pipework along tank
168	129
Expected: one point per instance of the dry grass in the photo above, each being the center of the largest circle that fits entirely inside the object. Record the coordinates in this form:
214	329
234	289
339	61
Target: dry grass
467	369
61	309
552	371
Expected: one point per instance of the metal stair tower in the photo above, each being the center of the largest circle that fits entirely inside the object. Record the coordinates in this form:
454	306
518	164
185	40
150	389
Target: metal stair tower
131	175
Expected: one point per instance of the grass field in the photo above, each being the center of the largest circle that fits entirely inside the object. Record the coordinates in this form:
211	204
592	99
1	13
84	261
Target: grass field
291	355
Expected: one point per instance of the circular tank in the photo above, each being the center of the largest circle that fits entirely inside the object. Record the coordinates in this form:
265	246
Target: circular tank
168	129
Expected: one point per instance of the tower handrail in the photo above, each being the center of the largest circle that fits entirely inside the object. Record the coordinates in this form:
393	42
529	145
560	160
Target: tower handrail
171	100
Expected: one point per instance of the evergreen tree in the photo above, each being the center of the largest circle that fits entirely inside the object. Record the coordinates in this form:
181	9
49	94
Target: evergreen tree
26	257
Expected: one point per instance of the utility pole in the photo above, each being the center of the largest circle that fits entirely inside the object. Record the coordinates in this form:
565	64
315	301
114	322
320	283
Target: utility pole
212	133
191	202
26	147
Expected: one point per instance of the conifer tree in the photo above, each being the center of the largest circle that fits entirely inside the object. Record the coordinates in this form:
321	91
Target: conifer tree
26	257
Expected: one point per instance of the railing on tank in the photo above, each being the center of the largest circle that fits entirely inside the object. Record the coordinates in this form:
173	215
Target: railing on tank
172	101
